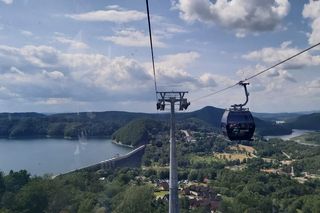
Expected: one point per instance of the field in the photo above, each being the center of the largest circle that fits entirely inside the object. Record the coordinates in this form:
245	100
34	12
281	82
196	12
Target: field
239	152
311	138
208	159
243	148
232	156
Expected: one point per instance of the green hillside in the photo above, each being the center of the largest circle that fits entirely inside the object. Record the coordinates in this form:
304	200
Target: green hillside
209	114
310	122
137	132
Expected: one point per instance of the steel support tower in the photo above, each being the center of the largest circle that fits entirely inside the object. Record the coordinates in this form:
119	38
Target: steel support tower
172	98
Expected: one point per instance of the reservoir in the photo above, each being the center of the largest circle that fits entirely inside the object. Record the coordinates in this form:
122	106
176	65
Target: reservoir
295	133
55	156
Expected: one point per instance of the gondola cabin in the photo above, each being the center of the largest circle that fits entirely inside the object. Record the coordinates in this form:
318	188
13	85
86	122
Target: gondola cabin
238	124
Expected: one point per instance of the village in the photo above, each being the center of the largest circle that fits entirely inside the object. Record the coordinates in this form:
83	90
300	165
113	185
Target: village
199	193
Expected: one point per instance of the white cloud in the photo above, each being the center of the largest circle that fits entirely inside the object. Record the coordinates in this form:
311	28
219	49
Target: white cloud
312	11
111	14
179	60
26	33
214	80
43	74
173	72
285	75
314	84
272	55
55	101
7	94
164	27
74	44
243	16
133	38
41	56
46	75
271	81
54	74
38	76
114	7
16	70
7	1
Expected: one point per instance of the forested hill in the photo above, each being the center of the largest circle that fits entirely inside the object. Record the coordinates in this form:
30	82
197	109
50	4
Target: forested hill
209	114
137	132
65	124
310	122
104	124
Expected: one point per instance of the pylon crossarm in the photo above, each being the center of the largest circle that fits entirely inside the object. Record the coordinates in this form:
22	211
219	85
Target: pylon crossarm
172	97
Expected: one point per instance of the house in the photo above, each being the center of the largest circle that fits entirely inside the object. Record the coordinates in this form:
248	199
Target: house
202	196
163	186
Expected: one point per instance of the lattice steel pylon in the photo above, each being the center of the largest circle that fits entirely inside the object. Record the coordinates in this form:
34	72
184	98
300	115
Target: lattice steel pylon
173	98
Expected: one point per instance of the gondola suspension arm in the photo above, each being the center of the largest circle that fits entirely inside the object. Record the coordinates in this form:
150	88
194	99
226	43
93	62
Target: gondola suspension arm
244	84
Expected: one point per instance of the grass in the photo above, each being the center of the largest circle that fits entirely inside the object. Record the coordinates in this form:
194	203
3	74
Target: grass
160	194
231	156
155	167
243	148
207	159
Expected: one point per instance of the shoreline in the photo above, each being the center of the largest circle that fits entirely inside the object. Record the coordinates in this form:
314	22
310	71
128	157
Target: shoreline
121	144
56	137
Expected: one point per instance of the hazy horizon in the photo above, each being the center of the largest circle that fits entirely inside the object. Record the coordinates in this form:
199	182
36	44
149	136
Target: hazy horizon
157	112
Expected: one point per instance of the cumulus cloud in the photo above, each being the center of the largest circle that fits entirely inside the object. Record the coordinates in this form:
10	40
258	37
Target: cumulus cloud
45	72
41	56
26	33
74	44
214	80
110	14
243	16
45	75
54	74
272	55
164	27
311	11
133	38
173	72
271	81
314	84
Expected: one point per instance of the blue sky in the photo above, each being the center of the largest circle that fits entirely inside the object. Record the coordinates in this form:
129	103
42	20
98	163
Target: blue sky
79	55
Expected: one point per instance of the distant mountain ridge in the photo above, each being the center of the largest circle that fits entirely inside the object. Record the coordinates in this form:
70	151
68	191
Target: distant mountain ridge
104	124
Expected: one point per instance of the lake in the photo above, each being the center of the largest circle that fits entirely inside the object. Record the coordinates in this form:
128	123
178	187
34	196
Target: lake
55	156
295	133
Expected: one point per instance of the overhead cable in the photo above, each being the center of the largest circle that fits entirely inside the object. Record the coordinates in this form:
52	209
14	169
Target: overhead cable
258	73
151	46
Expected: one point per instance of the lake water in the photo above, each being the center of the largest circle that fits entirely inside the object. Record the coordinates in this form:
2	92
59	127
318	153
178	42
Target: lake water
295	133
55	156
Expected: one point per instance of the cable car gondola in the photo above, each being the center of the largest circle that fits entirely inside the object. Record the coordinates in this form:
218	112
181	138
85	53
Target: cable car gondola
237	123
